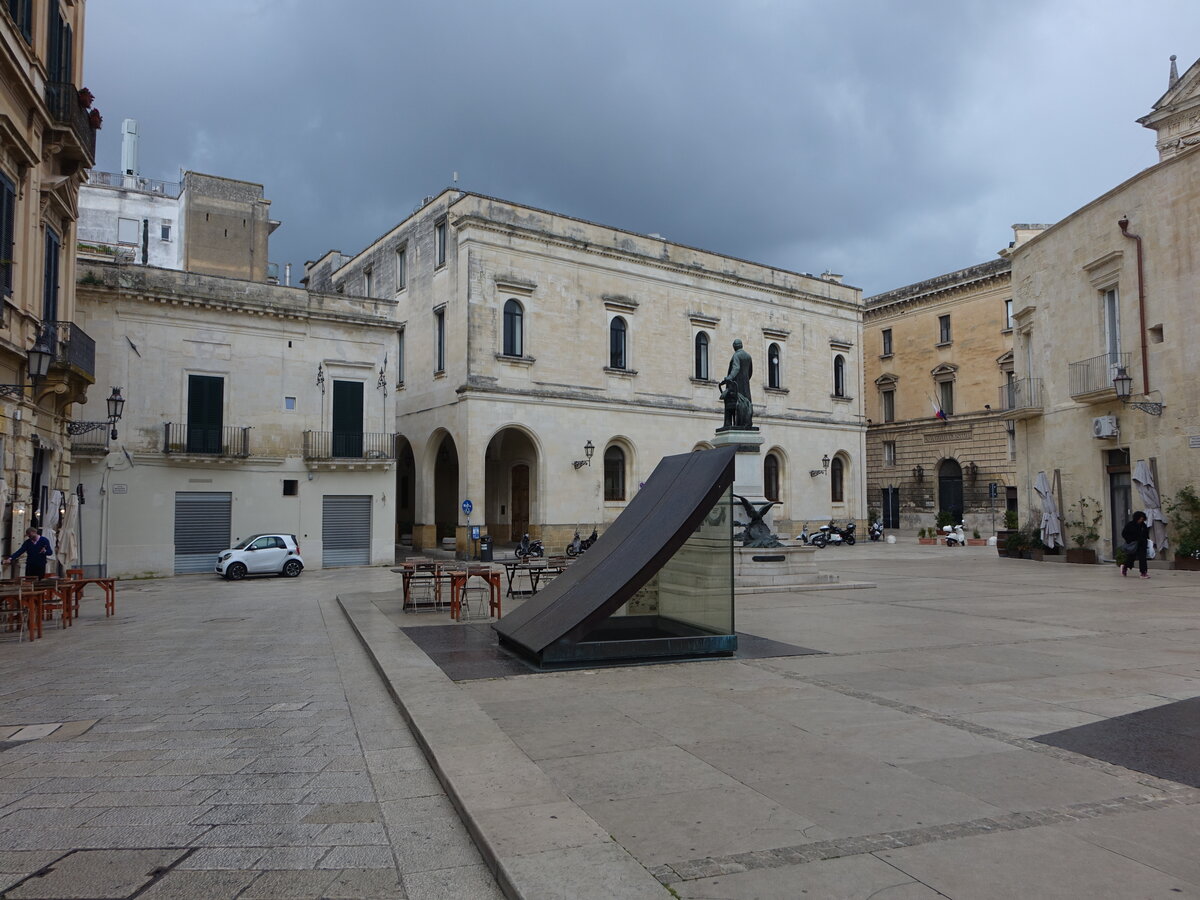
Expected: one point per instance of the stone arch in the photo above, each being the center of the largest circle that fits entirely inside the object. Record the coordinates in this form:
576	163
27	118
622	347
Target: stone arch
513	482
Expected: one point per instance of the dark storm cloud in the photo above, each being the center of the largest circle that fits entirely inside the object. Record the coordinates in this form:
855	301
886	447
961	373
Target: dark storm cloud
889	141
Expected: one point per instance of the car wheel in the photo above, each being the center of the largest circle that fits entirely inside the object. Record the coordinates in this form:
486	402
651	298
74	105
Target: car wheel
292	568
236	572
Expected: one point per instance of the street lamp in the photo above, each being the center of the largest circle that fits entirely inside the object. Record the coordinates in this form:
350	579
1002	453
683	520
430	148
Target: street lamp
589	448
918	472
116	405
824	467
1123	384
38	358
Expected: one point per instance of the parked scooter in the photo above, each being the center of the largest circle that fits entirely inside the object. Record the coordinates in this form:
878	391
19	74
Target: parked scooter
955	536
527	548
831	534
804	537
578	546
875	532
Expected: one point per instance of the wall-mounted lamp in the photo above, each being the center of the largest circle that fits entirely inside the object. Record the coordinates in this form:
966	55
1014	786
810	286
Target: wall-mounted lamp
38	358
918	472
1124	387
589	448
972	471
321	377
1011	427
824	467
116	405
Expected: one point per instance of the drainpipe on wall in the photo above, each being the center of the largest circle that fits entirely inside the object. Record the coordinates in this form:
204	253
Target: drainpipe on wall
1123	222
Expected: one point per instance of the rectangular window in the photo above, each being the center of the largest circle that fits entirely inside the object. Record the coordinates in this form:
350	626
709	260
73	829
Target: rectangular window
128	231
887	342
165	233
943	329
368	282
439	244
50	285
22	13
289	404
1112	325
946	396
291	487
400	357
1008	322
439	336
8	234
887	402
401	268
60	58
889	453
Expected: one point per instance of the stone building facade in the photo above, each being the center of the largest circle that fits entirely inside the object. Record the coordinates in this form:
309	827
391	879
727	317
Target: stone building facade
1112	287
941	344
523	337
229	427
47	143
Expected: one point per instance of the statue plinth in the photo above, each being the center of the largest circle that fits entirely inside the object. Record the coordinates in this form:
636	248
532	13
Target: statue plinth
747	464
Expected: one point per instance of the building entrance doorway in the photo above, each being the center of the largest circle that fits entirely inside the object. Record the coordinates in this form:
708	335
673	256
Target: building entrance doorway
950	489
511	489
891	507
1120	493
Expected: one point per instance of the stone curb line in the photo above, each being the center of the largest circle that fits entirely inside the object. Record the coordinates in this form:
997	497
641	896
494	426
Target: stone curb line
535	840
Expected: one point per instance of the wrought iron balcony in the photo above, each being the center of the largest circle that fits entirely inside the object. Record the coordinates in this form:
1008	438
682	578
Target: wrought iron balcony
230	441
74	349
1092	379
95	441
62	101
1021	398
337	445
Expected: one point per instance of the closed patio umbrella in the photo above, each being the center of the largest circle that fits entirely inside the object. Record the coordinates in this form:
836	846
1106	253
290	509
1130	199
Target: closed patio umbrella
1143	480
1051	524
68	535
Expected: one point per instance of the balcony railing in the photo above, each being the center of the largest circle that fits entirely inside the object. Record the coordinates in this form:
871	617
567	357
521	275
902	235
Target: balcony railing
1093	378
93	442
74	348
1021	394
349	445
204	440
62	100
135	183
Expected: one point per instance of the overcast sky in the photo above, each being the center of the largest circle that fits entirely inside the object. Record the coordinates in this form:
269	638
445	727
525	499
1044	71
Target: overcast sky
888	140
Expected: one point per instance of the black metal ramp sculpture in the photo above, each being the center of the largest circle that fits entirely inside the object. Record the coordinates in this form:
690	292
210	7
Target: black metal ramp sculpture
686	501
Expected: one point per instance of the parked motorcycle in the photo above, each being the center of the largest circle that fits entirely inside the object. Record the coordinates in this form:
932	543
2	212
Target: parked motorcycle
527	548
831	534
875	532
955	536
804	537
578	546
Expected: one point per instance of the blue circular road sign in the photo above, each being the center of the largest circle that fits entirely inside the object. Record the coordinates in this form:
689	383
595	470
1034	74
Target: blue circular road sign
467	507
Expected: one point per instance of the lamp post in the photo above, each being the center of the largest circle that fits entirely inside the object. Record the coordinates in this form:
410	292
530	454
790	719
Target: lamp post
824	470
588	449
918	472
38	359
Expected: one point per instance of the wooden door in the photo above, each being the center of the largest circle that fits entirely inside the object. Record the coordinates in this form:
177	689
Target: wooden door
520	502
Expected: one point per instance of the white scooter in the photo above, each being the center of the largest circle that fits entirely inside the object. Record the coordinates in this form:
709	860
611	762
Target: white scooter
955	536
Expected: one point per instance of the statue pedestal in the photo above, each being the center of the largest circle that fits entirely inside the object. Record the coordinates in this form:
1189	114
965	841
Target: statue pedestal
747	467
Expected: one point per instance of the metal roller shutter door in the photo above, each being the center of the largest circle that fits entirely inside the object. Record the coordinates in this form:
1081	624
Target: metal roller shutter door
201	529
346	531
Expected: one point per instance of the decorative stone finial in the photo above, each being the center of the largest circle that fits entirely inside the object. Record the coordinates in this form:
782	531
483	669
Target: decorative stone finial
1174	74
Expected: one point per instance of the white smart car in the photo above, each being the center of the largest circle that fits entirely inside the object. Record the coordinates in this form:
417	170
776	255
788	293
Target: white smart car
261	554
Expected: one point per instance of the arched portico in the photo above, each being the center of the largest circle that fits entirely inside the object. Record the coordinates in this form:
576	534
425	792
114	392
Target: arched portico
406	488
437	490
511	484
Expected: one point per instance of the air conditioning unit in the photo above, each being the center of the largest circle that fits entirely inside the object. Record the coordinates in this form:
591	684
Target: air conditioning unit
1104	427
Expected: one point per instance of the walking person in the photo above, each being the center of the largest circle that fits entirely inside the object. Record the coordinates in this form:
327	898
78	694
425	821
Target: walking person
1135	535
36	549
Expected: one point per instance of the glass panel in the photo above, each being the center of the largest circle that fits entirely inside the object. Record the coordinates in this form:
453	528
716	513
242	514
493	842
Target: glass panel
696	585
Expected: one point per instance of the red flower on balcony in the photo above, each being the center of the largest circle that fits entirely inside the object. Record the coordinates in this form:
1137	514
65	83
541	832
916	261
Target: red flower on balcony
95	119
86	98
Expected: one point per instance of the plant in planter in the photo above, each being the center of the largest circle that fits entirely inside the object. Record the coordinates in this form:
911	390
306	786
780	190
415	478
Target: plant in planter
1010	525
1184	511
1016	543
926	536
1036	549
1082	529
975	540
944	518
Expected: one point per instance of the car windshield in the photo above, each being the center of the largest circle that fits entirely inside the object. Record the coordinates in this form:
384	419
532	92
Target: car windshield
242	545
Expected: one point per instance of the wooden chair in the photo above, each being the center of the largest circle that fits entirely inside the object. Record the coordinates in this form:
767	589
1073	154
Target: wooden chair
54	599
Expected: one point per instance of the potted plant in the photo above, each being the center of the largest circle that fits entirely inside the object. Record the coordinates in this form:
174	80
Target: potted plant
926	536
1185	519
1016	542
1082	529
1002	535
975	540
1036	550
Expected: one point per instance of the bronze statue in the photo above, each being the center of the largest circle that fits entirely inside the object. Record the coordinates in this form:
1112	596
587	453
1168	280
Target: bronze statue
735	390
755	532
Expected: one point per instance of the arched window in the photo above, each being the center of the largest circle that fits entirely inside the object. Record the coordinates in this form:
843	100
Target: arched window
614	473
618	344
837	491
514	329
839	376
702	356
774	370
771	477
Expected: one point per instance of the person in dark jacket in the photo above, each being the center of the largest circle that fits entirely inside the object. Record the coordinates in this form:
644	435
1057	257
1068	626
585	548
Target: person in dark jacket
1135	535
36	549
